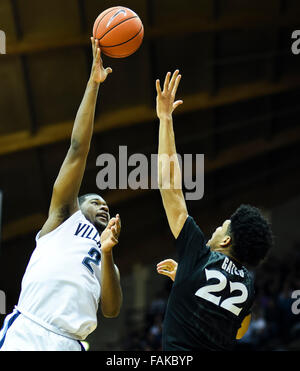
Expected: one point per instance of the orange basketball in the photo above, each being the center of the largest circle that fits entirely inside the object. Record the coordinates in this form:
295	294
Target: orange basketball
120	32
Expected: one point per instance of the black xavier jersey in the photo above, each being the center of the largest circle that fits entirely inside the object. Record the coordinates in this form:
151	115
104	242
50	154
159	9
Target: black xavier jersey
210	297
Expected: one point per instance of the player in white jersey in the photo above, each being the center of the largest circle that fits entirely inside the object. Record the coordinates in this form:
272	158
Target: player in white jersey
72	266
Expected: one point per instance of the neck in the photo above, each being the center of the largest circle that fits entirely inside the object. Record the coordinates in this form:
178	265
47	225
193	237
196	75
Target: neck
225	250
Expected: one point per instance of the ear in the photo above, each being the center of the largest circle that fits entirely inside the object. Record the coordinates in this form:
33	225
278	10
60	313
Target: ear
226	242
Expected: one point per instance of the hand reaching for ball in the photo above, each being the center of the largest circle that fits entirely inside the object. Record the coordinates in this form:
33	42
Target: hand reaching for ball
99	73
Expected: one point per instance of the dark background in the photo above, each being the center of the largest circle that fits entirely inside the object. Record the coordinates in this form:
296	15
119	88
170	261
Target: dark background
241	89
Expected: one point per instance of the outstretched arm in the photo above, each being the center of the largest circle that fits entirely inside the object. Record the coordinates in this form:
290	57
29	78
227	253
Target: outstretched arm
169	173
67	185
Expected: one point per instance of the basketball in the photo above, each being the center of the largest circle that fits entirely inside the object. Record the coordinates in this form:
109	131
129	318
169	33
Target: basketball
120	32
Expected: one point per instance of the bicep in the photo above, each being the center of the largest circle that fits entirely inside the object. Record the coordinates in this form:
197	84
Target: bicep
175	208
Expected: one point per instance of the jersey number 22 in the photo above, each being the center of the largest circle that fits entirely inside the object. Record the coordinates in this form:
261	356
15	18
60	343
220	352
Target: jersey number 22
229	303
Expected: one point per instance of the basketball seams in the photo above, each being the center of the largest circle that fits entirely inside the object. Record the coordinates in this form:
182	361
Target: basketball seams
124	20
112	46
115	39
104	15
120	55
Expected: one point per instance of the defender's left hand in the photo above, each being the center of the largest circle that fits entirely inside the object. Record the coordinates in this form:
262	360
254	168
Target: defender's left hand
110	236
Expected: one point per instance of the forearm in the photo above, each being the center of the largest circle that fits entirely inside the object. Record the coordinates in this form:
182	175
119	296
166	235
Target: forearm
166	136
111	292
84	121
169	173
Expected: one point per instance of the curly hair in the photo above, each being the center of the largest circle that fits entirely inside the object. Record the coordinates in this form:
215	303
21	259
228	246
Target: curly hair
251	235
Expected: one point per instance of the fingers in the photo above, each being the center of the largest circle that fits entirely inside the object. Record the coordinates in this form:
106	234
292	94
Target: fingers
96	50
115	234
97	53
164	263
115	226
118	224
168	264
169	85
173	80
158	88
176	83
95	46
164	272
167	81
177	103
111	223
167	261
97	56
108	70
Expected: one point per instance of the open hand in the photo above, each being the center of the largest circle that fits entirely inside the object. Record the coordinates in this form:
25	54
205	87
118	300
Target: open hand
165	102
168	268
99	73
110	236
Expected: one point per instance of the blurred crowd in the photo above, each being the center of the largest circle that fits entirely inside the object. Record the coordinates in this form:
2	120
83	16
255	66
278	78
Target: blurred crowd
150	336
274	326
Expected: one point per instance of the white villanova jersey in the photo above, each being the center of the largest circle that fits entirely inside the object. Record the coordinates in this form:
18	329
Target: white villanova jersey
61	286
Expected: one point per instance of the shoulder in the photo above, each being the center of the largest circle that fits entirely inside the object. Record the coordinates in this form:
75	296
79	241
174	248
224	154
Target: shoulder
190	230
61	220
191	240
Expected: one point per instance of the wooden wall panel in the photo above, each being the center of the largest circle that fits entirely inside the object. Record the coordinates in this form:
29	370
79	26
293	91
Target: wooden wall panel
14	112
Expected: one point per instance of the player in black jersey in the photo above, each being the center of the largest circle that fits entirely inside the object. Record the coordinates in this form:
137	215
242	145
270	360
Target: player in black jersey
210	302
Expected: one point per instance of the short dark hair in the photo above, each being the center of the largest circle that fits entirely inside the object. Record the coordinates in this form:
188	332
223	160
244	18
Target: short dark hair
251	235
82	198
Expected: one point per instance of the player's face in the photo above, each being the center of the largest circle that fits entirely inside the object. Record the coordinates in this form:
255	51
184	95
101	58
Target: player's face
95	209
219	237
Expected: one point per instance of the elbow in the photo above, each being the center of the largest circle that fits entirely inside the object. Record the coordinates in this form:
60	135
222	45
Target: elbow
112	310
75	145
78	148
111	314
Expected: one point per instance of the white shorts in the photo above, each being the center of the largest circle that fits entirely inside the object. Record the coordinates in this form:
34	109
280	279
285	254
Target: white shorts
19	333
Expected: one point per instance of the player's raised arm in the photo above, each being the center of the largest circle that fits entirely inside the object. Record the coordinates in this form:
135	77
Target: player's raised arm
66	188
169	173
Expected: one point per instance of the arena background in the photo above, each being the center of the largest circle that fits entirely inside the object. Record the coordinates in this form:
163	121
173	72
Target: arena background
241	89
